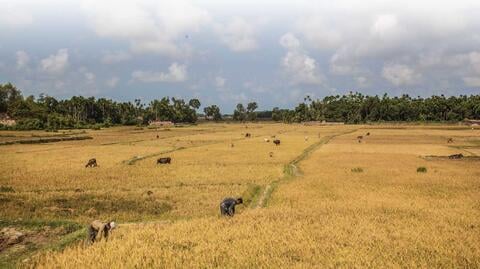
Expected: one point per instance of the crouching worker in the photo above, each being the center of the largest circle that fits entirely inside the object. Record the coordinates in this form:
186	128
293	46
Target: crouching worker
98	229
227	206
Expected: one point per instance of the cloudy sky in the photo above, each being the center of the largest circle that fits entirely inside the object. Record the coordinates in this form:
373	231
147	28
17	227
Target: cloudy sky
225	52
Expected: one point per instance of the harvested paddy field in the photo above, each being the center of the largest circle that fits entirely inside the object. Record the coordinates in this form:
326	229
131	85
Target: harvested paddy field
323	198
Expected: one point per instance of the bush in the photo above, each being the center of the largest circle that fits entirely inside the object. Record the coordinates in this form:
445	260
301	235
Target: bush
357	170
421	169
6	189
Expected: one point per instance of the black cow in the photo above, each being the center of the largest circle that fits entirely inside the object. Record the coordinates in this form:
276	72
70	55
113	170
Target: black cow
276	142
248	135
368	133
164	160
91	163
456	156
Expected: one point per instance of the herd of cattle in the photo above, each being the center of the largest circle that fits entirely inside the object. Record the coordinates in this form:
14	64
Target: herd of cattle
168	160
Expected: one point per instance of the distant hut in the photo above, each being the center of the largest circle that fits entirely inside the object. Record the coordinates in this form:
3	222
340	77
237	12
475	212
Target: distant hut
472	122
158	123
6	120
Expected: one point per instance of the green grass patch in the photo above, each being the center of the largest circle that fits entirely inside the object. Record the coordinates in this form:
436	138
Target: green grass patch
357	170
421	169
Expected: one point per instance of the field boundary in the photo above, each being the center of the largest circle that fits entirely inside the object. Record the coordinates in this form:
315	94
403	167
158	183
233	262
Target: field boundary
291	169
45	140
135	159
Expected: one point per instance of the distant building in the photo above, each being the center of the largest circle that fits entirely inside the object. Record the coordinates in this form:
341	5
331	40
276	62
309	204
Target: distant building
6	120
158	123
472	122
323	123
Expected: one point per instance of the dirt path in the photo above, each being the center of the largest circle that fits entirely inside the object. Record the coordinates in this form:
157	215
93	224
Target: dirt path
291	170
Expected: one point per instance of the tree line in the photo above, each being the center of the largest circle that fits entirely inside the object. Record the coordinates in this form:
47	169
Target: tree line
46	112
359	108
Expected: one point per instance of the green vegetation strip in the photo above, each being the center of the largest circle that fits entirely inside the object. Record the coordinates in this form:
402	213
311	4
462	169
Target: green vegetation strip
45	140
291	170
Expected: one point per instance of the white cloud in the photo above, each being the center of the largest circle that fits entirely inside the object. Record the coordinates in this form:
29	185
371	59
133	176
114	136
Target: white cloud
238	35
115	57
55	63
318	33
399	74
150	27
14	16
474	58
22	59
176	73
301	67
112	82
220	81
289	41
385	26
472	81
90	77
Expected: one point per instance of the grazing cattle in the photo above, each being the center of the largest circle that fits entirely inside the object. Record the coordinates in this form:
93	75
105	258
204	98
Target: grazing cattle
450	140
227	206
271	154
276	142
91	163
164	160
158	136
266	140
360	137
98	229
248	135
368	134
456	156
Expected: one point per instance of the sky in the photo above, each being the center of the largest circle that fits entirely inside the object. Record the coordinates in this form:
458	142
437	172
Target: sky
229	52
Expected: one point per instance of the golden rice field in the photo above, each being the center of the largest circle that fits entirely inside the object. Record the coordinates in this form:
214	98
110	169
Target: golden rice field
325	201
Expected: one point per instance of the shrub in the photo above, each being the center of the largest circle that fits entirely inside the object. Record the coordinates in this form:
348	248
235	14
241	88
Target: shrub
6	189
421	169
357	170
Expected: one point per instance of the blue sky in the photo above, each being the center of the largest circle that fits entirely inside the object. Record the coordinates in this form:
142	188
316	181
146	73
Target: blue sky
225	52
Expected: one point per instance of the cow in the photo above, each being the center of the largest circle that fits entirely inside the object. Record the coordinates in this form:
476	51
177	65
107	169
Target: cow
158	136
360	137
271	154
91	163
450	140
306	138
276	142
456	156
164	160
248	135
368	134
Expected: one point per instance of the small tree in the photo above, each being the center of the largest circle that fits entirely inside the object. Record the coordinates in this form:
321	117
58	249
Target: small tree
251	115
212	112
239	113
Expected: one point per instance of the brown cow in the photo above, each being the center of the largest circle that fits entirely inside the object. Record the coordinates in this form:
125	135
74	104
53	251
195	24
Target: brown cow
248	135
360	137
91	163
276	142
368	134
450	140
164	160
271	154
